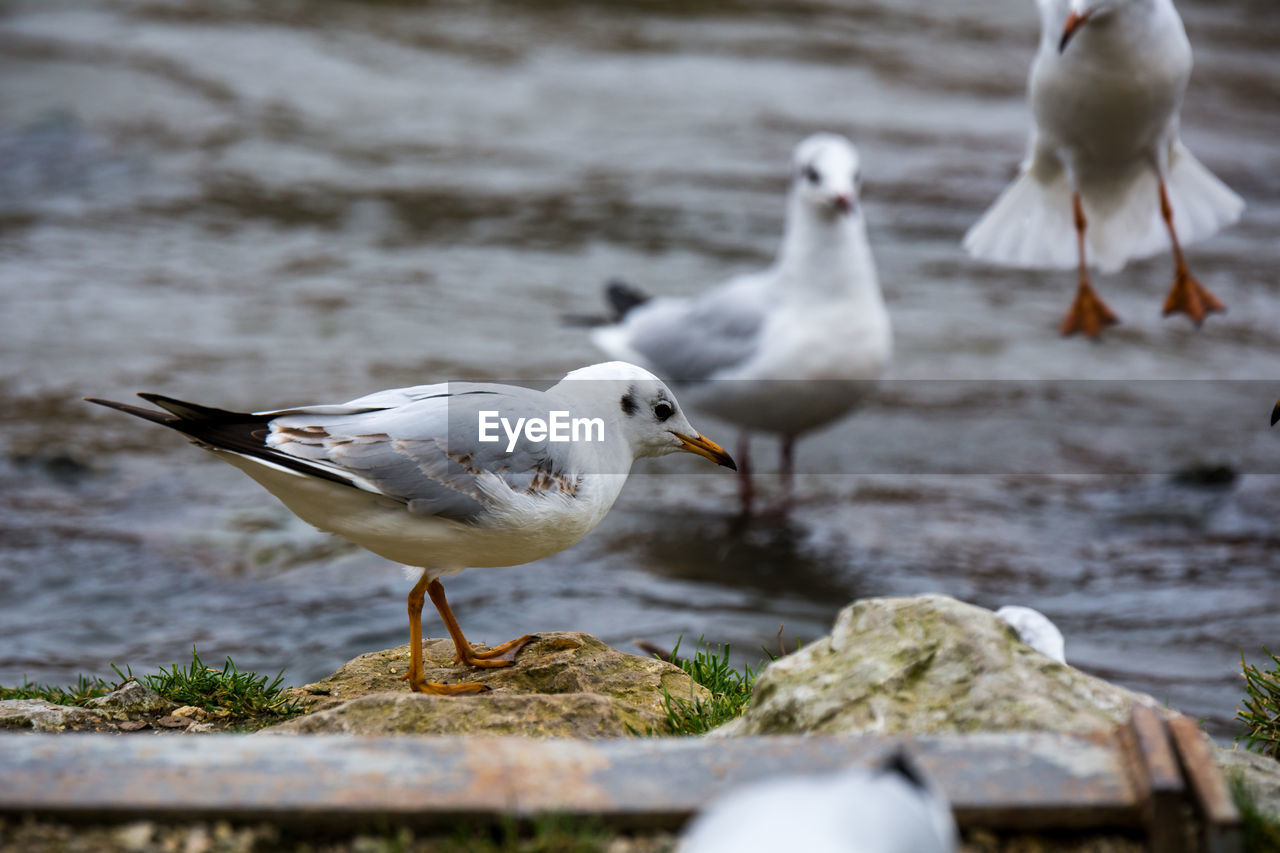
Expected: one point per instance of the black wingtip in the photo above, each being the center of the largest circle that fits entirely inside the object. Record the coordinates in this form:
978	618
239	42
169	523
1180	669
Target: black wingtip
1275	413
900	764
163	418
623	297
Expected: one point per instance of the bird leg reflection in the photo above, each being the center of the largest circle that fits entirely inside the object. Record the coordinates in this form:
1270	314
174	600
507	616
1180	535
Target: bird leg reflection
746	490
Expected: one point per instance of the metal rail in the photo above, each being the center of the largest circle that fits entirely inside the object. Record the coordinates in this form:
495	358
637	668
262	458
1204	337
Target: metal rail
1148	776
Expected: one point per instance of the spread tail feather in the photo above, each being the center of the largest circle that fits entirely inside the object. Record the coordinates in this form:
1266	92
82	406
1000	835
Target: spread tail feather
1031	225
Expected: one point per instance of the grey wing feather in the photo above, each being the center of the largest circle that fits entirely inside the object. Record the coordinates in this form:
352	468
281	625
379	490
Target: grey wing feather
425	452
698	338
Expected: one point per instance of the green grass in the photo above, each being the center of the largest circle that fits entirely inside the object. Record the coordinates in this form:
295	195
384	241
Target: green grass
1260	711
730	691
76	694
232	695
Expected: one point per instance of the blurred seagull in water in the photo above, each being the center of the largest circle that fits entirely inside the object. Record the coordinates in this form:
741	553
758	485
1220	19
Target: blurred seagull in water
892	809
782	351
1107	178
434	476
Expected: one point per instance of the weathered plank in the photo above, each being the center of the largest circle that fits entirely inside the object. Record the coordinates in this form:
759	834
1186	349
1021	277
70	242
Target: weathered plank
1024	780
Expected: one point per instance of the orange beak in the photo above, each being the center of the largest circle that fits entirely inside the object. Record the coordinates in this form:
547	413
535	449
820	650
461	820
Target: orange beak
1074	22
707	448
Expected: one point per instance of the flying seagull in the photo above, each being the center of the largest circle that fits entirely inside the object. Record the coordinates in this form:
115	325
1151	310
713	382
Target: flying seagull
1106	178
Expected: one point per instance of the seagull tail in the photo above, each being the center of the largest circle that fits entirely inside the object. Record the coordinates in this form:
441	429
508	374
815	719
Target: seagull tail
1202	204
162	418
216	428
1029	226
623	297
620	295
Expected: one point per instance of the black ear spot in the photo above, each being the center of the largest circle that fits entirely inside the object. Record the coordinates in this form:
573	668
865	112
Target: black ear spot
900	764
629	404
663	410
811	174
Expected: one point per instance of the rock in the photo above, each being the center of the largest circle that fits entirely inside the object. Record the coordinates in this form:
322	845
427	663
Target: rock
1259	775
132	697
172	722
43	716
567	715
925	665
562	685
192	712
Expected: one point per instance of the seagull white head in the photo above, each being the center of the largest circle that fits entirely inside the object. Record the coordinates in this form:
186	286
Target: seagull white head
1082	12
828	174
644	408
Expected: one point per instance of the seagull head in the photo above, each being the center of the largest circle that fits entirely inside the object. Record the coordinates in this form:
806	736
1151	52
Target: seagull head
1081	12
644	409
827	174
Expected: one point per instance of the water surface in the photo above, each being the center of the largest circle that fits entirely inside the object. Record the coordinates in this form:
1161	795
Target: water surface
260	204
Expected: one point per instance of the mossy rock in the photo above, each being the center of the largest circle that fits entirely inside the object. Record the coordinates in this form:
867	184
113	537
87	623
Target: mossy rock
562	685
924	665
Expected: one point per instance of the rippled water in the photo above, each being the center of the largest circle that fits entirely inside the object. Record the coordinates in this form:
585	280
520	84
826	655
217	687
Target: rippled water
260	204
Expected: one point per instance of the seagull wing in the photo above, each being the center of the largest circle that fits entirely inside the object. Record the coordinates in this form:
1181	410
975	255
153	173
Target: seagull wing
427	452
693	339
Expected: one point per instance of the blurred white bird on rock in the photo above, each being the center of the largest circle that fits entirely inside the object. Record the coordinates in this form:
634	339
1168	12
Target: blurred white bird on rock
786	350
1035	629
893	809
1106	178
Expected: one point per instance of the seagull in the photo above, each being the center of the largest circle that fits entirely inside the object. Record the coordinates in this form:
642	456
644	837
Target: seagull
437	478
1105	160
782	351
1035	629
892	809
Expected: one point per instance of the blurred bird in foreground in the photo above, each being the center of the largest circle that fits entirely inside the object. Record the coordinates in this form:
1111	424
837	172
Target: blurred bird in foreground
786	350
1105	160
412	475
892	809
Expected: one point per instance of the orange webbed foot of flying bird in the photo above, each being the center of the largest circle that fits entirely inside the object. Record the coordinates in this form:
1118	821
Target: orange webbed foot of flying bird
1190	297
1088	314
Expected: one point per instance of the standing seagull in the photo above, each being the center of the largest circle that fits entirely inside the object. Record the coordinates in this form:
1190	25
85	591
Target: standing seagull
1105	158
414	474
786	350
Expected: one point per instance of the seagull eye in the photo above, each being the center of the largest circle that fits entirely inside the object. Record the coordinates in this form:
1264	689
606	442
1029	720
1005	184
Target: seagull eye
662	411
811	174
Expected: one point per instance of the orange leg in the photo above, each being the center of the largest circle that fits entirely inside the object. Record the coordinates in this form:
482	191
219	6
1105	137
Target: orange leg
1088	313
417	681
499	656
1187	296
